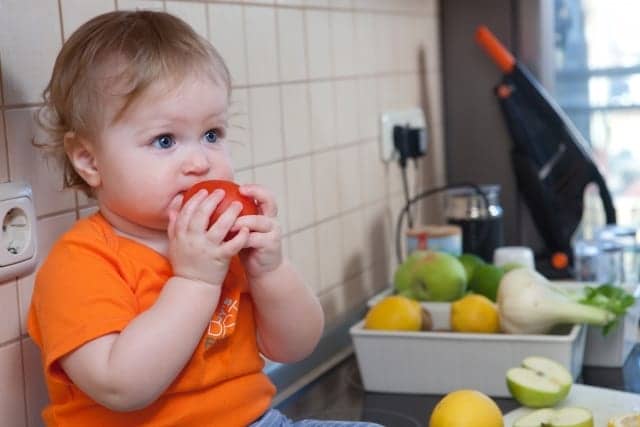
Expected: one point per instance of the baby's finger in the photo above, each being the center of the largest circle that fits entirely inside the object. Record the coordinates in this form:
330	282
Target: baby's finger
223	224
258	223
237	243
200	220
266	200
185	214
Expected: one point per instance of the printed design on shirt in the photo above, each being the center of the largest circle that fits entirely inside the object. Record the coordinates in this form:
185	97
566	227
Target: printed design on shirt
223	321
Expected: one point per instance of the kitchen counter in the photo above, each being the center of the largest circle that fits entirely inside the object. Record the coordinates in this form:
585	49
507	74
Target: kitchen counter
338	395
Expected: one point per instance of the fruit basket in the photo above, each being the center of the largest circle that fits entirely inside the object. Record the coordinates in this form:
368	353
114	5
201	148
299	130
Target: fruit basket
436	362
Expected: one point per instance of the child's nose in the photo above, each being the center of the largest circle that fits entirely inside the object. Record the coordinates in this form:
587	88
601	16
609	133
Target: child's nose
196	162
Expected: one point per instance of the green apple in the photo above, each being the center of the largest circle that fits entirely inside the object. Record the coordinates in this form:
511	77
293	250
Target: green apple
539	382
564	417
431	276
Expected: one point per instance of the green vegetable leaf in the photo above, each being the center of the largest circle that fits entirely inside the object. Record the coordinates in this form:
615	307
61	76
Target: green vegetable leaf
612	298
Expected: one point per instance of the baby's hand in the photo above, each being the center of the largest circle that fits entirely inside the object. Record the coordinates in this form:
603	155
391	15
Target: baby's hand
197	253
263	251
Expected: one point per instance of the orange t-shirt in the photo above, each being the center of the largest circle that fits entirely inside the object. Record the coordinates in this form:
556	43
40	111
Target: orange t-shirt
95	282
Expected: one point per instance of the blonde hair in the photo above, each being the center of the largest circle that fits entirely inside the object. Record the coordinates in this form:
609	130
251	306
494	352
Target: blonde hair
146	46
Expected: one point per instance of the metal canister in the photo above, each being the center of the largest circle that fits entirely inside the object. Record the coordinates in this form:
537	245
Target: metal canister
481	222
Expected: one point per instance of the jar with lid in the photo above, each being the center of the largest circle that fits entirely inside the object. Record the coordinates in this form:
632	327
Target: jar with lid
481	222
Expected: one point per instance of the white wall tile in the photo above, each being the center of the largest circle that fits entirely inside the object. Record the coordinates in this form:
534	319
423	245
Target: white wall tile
35	387
227	34
323	121
342	43
293	62
274	179
317	3
295	115
326	184
328	236
365	49
302	247
29	41
77	12
266	124
262	50
238	137
193	13
9	317
318	44
290	2
373	172
300	197
12	406
383	42
28	164
350	175
49	231
346	111
367	109
341	4
140	5
4	163
352	243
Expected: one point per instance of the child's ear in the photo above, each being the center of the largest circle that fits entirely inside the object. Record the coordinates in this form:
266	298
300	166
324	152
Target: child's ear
81	155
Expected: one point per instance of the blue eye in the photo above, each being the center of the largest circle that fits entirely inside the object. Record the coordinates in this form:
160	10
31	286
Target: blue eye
211	135
164	141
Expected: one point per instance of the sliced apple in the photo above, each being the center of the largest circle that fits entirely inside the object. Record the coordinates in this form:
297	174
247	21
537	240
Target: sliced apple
539	382
564	417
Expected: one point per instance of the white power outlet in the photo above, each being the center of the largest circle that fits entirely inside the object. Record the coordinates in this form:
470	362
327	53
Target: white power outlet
18	245
388	120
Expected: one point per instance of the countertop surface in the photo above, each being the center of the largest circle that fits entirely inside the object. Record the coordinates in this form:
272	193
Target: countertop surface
338	395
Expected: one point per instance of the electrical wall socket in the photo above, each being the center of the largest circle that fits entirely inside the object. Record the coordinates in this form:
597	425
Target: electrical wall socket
18	246
388	120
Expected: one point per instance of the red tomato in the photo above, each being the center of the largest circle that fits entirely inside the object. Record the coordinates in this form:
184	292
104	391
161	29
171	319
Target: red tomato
231	194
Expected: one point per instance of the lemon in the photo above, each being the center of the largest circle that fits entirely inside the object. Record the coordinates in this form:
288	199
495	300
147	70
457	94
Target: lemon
629	420
466	408
395	313
486	279
474	313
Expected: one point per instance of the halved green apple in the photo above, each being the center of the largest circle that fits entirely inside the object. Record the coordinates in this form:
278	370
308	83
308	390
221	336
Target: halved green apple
539	382
564	417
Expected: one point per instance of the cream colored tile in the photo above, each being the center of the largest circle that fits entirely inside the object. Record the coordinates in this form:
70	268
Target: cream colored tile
317	3
302	246
77	12
12	405
274	179
328	236
341	4
293	62
9	317
326	184
333	304
346	111
318	44
226	32
260	1
379	242
349	171
49	231
238	131
297	126
429	37
193	13
244	176
4	163
290	2
28	164
374	186
29	41
367	110
384	43
300	197
36	389
352	243
342	43
262	49
140	5
266	127
365	48
83	200
323	121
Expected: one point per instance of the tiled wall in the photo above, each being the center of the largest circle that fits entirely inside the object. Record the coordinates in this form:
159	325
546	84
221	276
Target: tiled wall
310	79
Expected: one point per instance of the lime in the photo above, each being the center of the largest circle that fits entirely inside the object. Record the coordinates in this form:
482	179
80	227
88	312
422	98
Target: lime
470	262
486	279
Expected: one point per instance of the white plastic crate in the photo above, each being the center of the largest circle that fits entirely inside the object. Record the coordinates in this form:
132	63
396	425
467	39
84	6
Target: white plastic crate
439	362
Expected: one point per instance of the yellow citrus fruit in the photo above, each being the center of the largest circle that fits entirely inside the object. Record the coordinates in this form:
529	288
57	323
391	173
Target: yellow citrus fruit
629	420
474	313
466	408
395	313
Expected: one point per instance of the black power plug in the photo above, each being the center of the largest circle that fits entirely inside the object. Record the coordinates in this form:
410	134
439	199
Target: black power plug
410	142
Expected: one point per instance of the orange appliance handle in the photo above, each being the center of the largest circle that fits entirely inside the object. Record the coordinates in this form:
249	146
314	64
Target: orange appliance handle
496	50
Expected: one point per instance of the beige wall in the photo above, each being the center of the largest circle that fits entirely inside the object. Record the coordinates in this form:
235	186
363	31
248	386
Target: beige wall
310	79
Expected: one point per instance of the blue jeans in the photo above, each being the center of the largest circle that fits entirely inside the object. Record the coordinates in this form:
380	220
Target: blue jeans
274	418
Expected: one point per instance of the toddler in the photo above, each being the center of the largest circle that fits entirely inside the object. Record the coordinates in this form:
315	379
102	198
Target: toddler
145	315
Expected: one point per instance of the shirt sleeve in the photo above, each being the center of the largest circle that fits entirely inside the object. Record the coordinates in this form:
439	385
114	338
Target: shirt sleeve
81	292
